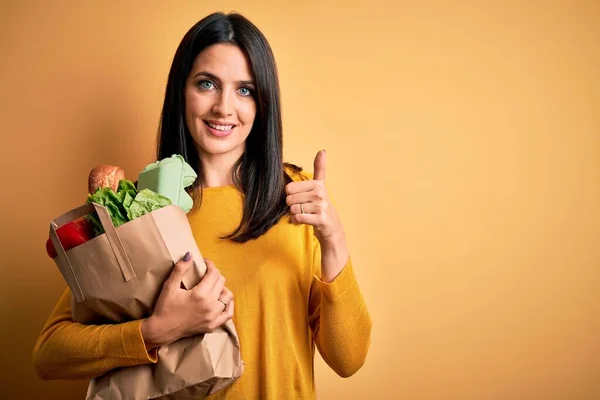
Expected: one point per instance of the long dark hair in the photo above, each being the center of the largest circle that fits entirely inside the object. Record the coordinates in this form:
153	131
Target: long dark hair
260	173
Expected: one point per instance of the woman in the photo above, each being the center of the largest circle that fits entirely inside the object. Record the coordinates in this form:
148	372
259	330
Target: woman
269	227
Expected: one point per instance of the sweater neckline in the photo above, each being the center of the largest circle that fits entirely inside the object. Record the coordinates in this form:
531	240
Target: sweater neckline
218	189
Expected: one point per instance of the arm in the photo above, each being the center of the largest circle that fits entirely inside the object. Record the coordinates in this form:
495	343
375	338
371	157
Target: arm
69	350
338	317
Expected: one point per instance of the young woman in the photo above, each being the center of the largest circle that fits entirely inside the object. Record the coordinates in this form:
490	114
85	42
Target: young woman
267	227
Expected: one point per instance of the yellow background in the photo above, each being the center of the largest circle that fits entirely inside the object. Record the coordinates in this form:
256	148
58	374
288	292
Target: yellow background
463	147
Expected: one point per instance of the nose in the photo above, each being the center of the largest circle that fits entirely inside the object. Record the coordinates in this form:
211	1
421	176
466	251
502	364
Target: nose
224	104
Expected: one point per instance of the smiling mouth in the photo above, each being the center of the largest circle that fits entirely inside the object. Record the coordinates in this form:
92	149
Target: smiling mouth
220	127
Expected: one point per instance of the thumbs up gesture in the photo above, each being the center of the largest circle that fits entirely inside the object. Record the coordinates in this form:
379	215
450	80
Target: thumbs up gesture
309	204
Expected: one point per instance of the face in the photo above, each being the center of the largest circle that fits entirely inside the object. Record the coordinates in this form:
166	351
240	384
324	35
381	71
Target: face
219	101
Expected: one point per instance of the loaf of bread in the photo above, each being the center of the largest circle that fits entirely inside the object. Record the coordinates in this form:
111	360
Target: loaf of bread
105	176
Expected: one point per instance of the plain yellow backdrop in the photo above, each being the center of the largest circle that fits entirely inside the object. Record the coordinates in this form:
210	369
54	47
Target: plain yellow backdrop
463	143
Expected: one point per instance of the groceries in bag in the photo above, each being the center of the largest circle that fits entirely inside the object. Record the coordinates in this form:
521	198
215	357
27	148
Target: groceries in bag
117	274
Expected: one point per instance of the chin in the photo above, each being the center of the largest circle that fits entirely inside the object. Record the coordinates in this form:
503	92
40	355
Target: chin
221	148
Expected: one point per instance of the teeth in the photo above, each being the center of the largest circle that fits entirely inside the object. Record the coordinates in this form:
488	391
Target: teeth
220	127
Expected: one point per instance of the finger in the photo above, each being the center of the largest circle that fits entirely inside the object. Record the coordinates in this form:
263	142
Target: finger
226	315
315	220
209	279
301	186
308	208
225	297
219	285
319	166
304	197
179	270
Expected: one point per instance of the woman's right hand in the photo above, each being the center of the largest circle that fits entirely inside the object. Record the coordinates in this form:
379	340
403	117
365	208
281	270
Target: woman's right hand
181	313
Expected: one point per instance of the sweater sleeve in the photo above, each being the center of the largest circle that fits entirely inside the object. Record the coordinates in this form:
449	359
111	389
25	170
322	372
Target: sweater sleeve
69	350
339	319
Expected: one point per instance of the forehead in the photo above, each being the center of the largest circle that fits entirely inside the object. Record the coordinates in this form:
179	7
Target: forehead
226	61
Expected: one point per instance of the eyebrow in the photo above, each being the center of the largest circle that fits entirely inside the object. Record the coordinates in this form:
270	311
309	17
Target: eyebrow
216	78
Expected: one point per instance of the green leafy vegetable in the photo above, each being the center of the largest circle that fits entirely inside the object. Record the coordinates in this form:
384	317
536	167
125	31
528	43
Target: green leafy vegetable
126	186
125	205
146	201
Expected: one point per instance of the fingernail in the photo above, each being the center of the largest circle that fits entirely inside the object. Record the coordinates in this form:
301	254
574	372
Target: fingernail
187	257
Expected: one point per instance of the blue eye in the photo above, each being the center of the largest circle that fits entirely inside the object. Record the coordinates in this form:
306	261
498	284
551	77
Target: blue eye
204	84
244	91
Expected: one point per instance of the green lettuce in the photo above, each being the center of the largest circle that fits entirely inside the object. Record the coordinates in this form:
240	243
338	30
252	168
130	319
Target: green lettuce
125	205
146	201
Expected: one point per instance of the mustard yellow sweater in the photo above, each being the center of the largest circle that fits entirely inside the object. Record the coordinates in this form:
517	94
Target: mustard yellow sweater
282	311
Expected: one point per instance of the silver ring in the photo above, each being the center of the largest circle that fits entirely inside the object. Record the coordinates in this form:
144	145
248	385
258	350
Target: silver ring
225	304
302	208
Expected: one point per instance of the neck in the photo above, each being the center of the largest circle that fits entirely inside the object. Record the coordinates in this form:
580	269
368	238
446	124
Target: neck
217	169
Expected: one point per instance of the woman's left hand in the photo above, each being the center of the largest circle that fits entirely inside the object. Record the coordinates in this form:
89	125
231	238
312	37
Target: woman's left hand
309	204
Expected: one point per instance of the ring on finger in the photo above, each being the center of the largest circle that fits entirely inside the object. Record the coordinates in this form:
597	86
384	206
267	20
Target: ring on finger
225	304
302	208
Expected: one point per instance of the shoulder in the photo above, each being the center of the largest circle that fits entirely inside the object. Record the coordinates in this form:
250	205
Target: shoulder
296	173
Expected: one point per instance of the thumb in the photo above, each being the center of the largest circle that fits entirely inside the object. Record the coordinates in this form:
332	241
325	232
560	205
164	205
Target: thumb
179	271
319	166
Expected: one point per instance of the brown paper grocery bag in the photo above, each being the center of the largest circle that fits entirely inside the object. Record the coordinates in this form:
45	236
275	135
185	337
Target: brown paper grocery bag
118	276
180	363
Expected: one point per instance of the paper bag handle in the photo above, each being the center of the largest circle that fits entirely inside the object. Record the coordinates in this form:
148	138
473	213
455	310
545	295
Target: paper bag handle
111	234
